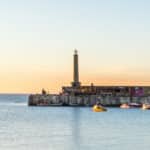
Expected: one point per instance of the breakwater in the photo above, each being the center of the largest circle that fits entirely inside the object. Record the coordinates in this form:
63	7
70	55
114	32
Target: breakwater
88	95
90	100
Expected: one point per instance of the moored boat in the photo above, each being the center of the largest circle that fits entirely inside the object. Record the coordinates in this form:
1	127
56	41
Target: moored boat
99	108
124	106
145	106
135	105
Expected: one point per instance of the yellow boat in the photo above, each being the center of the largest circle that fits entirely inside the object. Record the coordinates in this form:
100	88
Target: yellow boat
98	108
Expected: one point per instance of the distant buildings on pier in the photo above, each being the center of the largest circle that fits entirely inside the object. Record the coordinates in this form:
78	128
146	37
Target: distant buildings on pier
77	89
79	95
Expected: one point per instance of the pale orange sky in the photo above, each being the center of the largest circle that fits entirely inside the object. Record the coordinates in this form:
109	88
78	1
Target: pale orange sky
33	82
30	75
37	40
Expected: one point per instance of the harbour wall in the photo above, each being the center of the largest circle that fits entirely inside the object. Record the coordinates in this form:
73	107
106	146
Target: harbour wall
90	100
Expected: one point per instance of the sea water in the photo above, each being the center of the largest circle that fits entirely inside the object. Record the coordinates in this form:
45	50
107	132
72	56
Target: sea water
70	128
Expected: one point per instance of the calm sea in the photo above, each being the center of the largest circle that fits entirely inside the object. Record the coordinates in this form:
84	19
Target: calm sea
64	128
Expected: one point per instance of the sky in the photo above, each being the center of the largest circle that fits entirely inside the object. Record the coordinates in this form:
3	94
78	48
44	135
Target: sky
38	38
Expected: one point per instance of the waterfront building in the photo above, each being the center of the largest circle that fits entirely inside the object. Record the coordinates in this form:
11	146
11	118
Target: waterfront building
80	95
77	89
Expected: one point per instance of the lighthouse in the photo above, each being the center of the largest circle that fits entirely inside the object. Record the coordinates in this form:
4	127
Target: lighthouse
75	82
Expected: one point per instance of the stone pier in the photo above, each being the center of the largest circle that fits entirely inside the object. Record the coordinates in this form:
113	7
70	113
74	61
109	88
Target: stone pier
87	95
68	100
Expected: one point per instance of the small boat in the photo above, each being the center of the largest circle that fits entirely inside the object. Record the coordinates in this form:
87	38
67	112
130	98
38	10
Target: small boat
135	105
99	108
124	106
145	106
